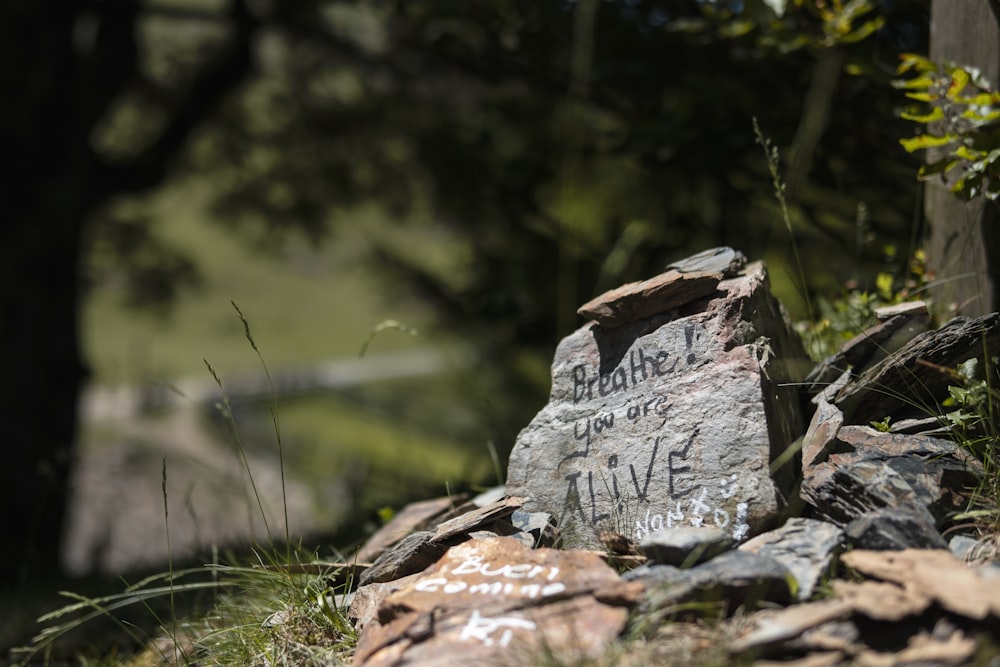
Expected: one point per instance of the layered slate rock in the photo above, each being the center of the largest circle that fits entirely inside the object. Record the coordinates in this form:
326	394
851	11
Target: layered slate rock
671	419
685	545
737	577
916	378
487	598
805	546
871	470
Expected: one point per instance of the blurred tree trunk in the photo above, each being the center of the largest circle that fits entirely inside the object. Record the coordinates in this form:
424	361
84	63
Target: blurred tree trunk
43	205
962	238
62	65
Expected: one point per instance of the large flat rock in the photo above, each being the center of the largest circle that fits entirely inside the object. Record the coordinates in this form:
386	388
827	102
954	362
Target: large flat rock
489	599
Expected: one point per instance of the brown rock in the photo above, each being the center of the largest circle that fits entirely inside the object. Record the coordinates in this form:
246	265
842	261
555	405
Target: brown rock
411	554
935	574
913	376
503	568
411	518
486	598
881	600
822	431
637	301
477	518
863	470
956	649
897	327
771	627
367	599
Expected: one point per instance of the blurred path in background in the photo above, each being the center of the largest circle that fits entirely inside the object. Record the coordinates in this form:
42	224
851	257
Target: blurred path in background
117	522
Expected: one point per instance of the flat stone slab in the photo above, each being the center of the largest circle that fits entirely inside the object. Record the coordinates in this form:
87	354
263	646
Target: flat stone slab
659	294
723	259
895	529
935	575
487	598
913	374
669	421
685	545
737	577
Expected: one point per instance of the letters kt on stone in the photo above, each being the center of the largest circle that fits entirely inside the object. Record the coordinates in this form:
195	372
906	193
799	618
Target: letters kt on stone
672	419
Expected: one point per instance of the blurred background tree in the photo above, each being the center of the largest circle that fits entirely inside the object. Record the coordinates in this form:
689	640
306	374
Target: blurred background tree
521	156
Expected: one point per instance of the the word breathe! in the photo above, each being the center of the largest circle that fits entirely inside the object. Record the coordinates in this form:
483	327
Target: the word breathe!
653	480
477	577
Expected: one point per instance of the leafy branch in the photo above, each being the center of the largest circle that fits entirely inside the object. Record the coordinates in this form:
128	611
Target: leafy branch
958	113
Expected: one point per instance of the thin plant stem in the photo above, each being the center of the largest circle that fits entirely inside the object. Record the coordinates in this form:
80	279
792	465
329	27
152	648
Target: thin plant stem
274	421
170	556
239	445
774	166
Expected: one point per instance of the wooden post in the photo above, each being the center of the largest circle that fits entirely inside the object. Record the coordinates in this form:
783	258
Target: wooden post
962	241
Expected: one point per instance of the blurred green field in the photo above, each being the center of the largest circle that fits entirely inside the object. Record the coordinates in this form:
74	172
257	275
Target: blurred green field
303	303
397	439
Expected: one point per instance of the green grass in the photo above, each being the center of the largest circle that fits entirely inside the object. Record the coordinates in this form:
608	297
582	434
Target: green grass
304	303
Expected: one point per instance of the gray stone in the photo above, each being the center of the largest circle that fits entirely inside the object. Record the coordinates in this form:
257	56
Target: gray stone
898	385
723	259
415	516
771	627
895	529
963	546
659	294
489	496
670	421
872	470
411	554
685	545
480	517
822	431
805	546
654	573
739	578
540	526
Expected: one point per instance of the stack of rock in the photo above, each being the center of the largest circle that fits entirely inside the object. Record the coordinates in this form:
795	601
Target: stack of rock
670	467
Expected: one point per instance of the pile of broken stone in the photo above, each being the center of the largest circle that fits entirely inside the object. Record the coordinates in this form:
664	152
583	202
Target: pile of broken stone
688	455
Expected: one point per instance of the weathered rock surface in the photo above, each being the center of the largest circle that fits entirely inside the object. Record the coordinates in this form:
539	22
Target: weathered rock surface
899	325
659	294
415	516
723	259
806	547
739	578
633	439
895	529
915	378
485	597
411	554
685	545
935	575
875	470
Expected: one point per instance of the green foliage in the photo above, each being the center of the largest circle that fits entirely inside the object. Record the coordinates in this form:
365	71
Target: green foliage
789	26
883	425
843	317
973	422
958	115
